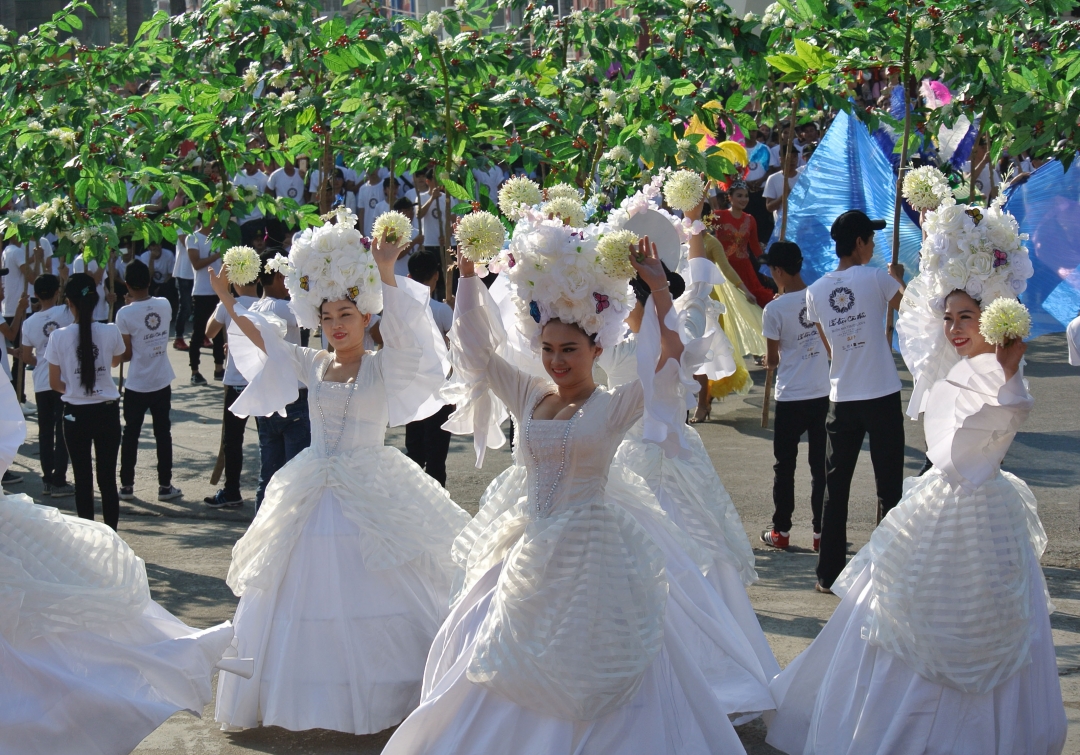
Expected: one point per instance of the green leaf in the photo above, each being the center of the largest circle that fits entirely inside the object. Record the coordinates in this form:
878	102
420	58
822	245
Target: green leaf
682	88
352	104
453	188
786	63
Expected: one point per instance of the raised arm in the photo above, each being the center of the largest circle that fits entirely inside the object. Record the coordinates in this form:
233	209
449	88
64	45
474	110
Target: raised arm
647	263
220	284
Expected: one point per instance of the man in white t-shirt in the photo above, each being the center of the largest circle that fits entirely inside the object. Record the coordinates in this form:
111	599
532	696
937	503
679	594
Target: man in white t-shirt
280	438
288	183
774	185
144	323
232	427
426	442
431	209
103	308
797	355
204	300
368	198
23	269
849	306
52	451
253	224
184	276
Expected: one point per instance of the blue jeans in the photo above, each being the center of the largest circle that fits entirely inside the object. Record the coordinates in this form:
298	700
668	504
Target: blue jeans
280	439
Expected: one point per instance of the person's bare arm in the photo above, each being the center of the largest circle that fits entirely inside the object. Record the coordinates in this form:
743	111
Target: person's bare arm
212	329
824	340
897	272
198	262
772	205
55	382
772	353
126	356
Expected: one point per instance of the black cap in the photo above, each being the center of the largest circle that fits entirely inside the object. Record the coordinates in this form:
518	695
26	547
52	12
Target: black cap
854	224
783	254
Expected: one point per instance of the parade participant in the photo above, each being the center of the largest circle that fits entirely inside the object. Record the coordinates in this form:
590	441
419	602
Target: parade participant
280	438
737	231
36	330
81	357
942	641
849	307
144	324
203	260
232	426
798	357
572	631
344	576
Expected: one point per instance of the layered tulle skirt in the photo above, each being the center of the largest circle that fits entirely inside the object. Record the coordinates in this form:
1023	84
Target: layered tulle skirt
516	666
341	616
90	664
941	643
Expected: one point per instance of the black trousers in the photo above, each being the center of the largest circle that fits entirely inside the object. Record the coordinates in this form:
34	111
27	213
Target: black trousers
203	306
17	364
428	444
136	405
94	427
848	423
170	293
51	449
233	435
793	418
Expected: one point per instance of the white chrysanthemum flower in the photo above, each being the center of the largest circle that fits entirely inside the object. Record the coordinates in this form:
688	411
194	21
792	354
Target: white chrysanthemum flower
517	194
396	227
1004	320
568	209
926	188
559	191
683	190
613	253
609	98
480	235
243	265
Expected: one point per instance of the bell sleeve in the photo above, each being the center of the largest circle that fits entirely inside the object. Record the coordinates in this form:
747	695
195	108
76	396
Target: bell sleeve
484	384
972	417
413	358
268	391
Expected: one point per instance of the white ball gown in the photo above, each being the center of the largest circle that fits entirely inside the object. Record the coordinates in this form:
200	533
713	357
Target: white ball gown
584	623
941	642
90	664
344	575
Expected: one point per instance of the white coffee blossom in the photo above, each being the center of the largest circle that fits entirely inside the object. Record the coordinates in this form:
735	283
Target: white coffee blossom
433	23
618	154
251	75
616	120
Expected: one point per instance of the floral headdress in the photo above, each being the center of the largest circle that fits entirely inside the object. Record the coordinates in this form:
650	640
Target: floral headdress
330	263
556	272
979	250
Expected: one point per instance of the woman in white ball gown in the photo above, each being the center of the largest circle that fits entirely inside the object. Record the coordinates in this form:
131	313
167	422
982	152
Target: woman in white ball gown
941	643
344	576
585	624
90	664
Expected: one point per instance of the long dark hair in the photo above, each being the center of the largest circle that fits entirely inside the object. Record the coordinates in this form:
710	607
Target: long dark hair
81	290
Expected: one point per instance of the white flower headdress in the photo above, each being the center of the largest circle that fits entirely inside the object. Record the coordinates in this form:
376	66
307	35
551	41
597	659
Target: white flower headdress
979	250
555	272
330	263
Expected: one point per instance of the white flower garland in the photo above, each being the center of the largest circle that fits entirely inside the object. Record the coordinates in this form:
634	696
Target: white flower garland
243	264
330	263
926	188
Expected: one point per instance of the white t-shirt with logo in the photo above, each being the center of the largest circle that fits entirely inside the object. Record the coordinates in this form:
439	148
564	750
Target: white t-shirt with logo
851	305
759	162
162	267
431	223
259	180
63	351
803	372
368	198
284	185
36	330
233	377
201	245
147	322
12	257
80	265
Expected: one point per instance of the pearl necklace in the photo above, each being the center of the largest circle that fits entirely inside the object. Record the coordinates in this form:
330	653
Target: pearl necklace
542	506
332	450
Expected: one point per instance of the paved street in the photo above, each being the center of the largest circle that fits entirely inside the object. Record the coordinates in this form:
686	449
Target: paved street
186	546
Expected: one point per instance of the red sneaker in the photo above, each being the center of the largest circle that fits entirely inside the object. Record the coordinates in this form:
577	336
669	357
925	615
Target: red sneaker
180	344
817	542
776	539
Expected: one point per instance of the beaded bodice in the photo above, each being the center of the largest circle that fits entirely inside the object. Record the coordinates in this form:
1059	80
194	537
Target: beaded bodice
347	416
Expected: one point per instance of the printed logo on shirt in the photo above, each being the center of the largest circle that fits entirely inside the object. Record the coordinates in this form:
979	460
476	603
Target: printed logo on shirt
78	353
842	299
152	321
803	321
292	193
372	203
48	328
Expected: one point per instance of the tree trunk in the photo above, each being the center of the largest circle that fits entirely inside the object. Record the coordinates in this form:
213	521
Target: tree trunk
898	203
326	166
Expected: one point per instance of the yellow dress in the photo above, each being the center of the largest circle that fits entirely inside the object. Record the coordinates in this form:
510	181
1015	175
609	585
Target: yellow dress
741	323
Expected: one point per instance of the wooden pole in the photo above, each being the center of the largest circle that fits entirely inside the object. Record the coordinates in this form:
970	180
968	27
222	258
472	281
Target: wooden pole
770	376
783	167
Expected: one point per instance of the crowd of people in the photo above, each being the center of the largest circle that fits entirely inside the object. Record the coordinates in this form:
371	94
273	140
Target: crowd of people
597	602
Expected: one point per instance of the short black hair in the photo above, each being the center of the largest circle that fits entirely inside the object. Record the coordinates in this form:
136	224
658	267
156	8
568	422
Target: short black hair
137	275
785	255
676	285
423	265
46	286
851	227
403	203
